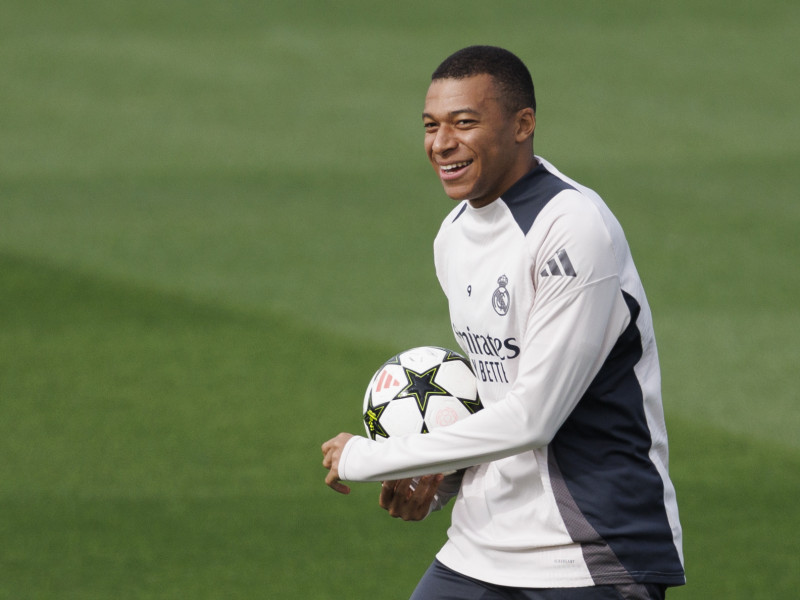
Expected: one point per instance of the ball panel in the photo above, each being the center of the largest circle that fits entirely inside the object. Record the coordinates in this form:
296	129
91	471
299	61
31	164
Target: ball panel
443	411
458	379
423	358
388	381
401	417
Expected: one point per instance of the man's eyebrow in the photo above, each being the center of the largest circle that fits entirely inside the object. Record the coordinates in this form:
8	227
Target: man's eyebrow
454	113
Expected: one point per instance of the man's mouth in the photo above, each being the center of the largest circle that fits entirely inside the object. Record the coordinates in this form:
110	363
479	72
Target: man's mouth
453	169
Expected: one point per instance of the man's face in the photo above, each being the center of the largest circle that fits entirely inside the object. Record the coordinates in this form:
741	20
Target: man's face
472	140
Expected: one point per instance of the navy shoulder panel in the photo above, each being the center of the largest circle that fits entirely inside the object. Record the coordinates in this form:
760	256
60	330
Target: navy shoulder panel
528	196
461	212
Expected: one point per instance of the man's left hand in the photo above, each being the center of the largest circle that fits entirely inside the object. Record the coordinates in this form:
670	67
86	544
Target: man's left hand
409	499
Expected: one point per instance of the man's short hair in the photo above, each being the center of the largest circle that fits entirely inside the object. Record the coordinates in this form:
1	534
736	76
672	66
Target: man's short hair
510	74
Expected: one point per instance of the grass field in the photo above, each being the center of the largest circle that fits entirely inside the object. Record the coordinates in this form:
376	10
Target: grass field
217	221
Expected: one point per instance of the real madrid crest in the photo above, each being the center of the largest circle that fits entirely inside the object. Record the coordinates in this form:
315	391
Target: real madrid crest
501	299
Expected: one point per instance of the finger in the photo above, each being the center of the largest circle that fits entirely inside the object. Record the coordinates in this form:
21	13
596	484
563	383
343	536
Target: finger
405	498
387	494
404	489
327	460
418	504
330	444
333	482
338	486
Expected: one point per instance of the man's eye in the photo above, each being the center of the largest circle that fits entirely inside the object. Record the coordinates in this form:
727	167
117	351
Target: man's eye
465	122
430	126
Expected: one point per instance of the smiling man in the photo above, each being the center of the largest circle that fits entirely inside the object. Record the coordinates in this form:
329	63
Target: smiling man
479	142
561	482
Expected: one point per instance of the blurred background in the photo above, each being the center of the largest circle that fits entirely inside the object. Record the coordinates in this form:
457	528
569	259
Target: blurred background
216	221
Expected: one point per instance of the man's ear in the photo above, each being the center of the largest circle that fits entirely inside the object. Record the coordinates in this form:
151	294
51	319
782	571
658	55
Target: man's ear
526	124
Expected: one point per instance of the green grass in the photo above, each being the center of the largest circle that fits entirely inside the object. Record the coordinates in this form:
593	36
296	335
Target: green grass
217	221
738	502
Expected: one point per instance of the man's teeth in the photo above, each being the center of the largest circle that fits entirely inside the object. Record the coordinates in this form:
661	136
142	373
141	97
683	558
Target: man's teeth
455	166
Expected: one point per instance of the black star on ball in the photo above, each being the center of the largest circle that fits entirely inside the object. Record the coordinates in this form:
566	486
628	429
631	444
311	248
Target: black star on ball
421	386
372	418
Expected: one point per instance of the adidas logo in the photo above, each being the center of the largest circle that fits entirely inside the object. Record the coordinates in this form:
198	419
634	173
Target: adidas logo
559	266
386	381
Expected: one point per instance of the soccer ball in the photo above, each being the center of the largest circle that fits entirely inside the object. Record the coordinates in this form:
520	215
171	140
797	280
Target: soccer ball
419	390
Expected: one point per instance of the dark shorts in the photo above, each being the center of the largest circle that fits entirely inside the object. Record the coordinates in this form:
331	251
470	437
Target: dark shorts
441	583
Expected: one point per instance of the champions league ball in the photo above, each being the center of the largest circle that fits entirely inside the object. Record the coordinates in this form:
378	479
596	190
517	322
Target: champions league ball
419	390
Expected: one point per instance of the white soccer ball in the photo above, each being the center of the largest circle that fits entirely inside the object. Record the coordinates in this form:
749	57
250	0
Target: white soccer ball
419	390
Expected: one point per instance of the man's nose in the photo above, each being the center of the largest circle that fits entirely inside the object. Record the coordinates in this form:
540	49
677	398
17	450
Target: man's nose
444	141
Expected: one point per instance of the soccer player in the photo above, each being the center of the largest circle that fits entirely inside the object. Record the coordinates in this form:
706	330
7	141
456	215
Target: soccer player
562	480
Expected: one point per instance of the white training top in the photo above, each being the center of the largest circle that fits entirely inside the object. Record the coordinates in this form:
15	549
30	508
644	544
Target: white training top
567	482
